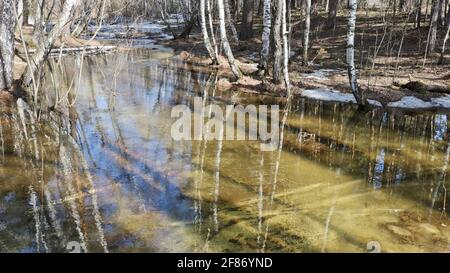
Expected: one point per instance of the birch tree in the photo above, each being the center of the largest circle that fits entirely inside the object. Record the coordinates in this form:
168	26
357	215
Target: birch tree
211	26
207	41
224	40
265	48
433	25
230	21
352	8
7	27
38	9
276	41
306	33
441	60
285	32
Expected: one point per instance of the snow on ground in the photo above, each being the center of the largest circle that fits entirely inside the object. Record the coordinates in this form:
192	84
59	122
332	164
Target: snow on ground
408	102
411	102
321	74
334	96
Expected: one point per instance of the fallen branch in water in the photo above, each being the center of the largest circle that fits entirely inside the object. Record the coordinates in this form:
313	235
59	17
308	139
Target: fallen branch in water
69	50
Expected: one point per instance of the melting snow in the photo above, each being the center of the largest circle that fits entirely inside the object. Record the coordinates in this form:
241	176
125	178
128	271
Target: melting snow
320	74
335	96
411	102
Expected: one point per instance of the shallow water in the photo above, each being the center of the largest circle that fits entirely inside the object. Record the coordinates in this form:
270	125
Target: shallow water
345	178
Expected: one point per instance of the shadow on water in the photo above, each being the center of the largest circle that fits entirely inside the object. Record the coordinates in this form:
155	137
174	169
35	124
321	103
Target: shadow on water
107	176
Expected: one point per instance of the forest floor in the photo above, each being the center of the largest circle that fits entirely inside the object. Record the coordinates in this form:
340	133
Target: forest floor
381	68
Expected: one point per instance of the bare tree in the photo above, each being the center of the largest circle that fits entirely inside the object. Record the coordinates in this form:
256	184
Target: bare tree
7	27
265	48
38	9
230	21
211	26
225	44
441	60
277	10
306	32
352	8
433	26
284	29
206	39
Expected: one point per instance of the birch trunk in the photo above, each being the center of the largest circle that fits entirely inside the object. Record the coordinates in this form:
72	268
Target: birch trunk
230	21
352	8
225	44
211	26
20	12
441	15
7	27
433	25
44	48
441	60
306	34
276	42
267	23
37	10
206	40
285	32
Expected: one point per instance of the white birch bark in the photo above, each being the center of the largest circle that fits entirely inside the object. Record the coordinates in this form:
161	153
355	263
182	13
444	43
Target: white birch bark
277	42
306	33
211	26
7	27
225	44
441	60
37	11
433	25
352	8
230	21
285	32
267	24
20	11
206	40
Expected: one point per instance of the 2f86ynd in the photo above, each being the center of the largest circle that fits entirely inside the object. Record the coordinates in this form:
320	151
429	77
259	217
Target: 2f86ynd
246	262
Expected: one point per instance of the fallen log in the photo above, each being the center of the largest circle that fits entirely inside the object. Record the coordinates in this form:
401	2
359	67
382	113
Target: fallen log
72	50
420	87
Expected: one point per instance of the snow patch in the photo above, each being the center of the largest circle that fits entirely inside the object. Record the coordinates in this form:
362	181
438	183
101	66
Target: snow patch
320	74
442	102
334	96
411	102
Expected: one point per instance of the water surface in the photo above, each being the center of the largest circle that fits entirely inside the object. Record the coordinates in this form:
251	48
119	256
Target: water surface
107	176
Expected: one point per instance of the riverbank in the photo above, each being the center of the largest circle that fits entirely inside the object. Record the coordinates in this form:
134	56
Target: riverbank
384	70
320	82
324	79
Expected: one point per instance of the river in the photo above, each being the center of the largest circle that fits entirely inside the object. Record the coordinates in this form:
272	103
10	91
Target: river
110	178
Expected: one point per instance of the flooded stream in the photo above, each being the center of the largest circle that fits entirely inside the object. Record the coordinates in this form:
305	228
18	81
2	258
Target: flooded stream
110	178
